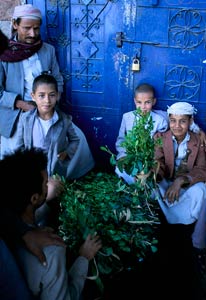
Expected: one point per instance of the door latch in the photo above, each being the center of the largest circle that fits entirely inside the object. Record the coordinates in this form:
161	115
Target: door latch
120	38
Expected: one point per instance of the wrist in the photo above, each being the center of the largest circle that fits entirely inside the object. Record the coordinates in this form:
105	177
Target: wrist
184	180
18	103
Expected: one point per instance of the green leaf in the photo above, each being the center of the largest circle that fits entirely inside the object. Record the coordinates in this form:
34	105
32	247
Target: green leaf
124	216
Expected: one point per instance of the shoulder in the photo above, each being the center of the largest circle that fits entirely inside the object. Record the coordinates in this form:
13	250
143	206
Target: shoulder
162	113
159	115
129	114
165	135
48	47
54	250
62	115
28	114
194	136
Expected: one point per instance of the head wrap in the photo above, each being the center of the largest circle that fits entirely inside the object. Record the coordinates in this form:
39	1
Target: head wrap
181	108
26	11
17	51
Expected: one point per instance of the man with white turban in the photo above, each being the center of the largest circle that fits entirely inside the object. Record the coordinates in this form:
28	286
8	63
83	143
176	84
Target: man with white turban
181	193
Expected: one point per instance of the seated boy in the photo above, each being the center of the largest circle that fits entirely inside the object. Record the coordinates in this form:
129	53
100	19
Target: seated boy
181	180
182	169
144	98
27	175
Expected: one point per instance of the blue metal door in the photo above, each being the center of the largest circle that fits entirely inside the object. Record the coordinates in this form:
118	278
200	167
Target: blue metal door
171	47
98	85
97	42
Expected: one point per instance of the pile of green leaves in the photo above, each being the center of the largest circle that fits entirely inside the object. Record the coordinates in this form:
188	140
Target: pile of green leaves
125	216
139	146
125	222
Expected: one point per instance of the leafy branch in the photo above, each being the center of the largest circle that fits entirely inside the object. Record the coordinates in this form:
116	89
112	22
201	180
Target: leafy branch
125	216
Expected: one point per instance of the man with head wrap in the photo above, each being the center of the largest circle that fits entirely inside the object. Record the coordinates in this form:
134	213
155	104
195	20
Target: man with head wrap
182	193
12	284
12	75
25	57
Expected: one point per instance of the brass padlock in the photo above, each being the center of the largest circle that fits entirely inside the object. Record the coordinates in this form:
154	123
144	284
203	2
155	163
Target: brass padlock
136	65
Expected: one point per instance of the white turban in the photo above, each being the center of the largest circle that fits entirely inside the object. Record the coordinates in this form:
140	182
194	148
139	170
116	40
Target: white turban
181	108
26	11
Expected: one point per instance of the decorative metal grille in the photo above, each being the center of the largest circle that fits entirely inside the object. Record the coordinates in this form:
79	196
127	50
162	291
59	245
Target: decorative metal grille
186	29
80	37
182	84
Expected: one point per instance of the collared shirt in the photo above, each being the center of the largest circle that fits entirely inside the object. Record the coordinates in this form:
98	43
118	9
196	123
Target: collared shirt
32	68
180	150
40	130
160	124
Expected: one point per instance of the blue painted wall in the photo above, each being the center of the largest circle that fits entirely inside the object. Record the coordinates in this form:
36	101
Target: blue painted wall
167	37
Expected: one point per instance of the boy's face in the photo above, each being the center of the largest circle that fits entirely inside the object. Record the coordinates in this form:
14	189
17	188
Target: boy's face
45	97
179	125
144	101
28	30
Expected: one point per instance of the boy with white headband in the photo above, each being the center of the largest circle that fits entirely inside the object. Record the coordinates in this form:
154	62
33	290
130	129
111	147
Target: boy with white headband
182	192
182	164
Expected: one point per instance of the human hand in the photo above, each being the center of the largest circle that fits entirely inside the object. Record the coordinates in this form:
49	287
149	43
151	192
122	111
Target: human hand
55	188
172	193
25	105
90	247
36	239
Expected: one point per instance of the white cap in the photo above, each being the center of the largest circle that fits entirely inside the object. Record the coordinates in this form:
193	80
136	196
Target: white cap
181	108
26	11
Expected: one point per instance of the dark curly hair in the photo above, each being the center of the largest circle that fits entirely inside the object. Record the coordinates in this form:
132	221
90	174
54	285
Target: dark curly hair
21	177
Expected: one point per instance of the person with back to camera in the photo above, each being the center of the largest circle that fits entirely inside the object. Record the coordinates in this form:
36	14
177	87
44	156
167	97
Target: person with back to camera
26	171
144	98
12	283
